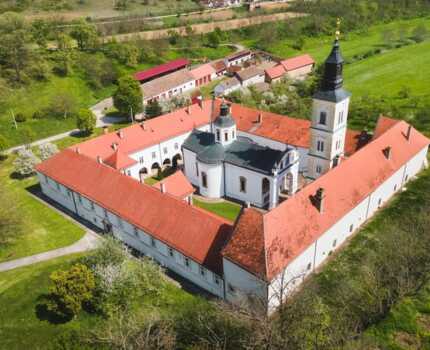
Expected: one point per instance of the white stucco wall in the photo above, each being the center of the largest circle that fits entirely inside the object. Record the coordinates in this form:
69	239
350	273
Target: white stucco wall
254	80
215	180
134	237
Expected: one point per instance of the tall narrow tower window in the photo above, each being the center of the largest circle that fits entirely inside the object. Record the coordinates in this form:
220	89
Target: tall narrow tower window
320	146
323	118
226	136
204	180
218	135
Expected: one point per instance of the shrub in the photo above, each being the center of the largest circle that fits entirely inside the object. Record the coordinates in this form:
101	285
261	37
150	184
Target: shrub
70	290
86	121
25	162
20	117
38	115
47	150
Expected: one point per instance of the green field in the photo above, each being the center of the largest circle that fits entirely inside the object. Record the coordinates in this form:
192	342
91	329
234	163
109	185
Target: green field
387	73
44	229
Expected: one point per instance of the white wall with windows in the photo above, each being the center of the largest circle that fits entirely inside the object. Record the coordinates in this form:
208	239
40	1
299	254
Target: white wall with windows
148	245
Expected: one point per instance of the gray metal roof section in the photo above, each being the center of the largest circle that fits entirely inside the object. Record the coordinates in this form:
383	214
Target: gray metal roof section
332	95
243	152
224	120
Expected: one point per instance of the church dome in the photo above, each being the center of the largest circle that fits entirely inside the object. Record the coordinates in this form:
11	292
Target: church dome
213	154
224	120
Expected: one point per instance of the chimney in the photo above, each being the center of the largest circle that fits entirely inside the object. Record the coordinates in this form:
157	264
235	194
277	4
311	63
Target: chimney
163	187
78	150
387	152
187	109
105	129
260	118
114	146
200	101
143	125
120	134
99	159
319	199
408	133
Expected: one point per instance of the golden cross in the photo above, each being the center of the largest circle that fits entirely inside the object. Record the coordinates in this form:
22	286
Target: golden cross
338	22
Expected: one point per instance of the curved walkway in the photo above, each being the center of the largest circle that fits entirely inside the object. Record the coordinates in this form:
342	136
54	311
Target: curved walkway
88	242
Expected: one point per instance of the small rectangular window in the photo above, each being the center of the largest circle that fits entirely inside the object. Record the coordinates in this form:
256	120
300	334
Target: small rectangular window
165	150
216	280
334	243
153	242
136	231
242	182
79	198
379	201
204	180
231	289
323	118
176	145
171	254
187	262
141	160
351	228
319	169
154	155
202	271
197	169
218	136
309	266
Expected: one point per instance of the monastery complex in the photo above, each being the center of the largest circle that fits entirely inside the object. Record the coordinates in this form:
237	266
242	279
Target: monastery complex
305	186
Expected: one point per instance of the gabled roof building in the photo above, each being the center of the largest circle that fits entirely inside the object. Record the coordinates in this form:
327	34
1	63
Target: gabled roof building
228	150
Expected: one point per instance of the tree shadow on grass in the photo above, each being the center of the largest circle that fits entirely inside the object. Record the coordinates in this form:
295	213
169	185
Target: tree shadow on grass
44	314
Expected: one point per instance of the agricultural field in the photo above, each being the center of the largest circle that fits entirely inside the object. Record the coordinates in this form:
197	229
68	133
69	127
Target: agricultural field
96	9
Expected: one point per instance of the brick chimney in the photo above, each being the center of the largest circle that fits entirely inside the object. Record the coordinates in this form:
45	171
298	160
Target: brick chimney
114	146
162	187
408	132
187	109
99	160
120	134
260	118
387	152
143	125
319	199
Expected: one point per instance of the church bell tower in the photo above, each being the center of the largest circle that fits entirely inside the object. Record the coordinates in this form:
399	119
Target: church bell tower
329	117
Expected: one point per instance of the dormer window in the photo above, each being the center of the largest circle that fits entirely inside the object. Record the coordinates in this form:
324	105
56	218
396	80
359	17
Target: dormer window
323	118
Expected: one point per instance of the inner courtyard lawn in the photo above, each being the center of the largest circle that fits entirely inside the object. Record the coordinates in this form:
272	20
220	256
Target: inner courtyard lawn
225	209
43	228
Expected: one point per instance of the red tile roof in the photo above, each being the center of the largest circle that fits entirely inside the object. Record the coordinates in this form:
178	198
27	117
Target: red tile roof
297	62
296	223
119	160
202	71
384	123
275	72
192	231
277	127
161	69
177	185
219	66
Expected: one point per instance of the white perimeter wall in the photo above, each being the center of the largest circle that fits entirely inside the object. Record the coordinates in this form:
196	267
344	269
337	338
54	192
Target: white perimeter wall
134	237
316	253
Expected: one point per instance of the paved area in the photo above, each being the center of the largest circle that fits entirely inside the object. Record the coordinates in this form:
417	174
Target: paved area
88	242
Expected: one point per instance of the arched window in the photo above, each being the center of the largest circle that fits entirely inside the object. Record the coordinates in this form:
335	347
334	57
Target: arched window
242	184
265	185
226	136
204	180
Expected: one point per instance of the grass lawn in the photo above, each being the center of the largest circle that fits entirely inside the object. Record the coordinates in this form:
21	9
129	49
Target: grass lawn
44	228
19	293
226	209
21	288
387	73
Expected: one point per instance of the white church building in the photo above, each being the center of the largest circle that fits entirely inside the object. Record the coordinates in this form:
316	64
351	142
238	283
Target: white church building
252	156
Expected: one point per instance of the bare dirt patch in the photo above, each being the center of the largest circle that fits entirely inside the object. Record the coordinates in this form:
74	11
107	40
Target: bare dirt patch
407	341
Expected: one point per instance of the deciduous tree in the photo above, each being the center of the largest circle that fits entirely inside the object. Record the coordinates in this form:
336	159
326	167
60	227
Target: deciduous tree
128	97
86	121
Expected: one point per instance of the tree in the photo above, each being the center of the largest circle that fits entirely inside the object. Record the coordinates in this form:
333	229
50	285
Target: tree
63	103
14	43
70	290
86	121
420	33
47	150
25	162
213	39
85	34
153	109
128	98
